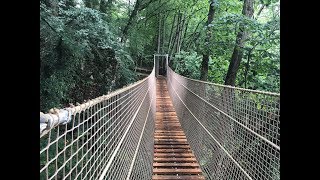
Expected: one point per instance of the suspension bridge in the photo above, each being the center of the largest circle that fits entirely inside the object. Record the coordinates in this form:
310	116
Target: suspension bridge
165	126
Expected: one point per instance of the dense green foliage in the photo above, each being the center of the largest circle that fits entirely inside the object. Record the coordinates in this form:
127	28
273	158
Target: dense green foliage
80	57
91	47
261	47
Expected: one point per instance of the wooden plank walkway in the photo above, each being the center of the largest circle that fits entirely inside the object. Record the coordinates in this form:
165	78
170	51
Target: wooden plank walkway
173	158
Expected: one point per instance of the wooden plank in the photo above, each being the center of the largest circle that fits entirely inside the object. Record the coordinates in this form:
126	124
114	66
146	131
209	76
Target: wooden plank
161	131
169	165
163	105
165	133
170	140
166	113
172	146
173	159
167	119
177	155
173	177
172	151
175	137
171	143
176	171
167	122
168	126
168	135
164	127
172	132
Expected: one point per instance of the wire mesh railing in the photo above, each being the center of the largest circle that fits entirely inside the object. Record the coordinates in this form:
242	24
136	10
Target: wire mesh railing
110	137
234	132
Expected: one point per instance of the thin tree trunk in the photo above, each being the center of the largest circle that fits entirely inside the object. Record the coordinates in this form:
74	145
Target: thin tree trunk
181	33
205	56
137	7
193	37
247	68
238	52
171	32
178	33
163	34
185	34
174	46
130	21
159	34
260	10
129	8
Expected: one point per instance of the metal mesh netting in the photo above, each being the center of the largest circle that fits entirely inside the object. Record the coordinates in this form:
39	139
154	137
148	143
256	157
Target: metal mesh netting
111	139
234	132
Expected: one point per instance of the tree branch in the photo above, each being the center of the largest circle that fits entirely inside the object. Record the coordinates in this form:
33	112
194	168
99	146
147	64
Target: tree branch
50	26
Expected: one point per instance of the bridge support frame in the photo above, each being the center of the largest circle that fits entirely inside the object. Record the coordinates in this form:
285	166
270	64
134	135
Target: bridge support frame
160	64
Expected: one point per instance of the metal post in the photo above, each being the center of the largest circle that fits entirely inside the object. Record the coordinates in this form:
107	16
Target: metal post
167	64
156	65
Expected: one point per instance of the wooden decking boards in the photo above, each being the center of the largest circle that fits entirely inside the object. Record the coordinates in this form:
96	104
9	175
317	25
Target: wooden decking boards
173	158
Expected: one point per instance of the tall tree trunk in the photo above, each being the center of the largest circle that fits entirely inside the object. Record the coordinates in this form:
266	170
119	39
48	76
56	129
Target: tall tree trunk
247	66
171	33
130	21
178	32
181	28
175	40
185	34
205	56
159	33
138	6
163	34
237	51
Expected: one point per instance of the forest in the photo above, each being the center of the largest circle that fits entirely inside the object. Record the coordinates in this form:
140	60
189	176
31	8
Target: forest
91	47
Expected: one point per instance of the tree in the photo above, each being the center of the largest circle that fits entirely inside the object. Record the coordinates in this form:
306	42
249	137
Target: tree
139	5
238	49
205	56
80	57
